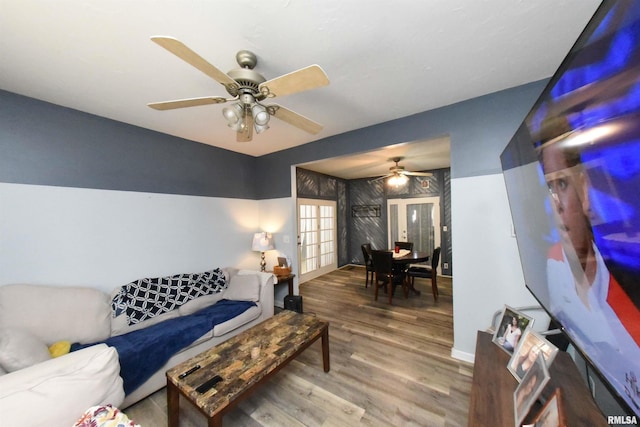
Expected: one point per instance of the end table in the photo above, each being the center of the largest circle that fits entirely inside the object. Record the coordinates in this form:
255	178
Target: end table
288	279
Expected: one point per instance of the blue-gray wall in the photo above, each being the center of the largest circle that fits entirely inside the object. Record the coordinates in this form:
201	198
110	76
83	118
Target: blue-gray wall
479	129
41	143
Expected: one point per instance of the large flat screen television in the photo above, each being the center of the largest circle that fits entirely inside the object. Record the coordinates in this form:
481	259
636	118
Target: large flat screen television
572	173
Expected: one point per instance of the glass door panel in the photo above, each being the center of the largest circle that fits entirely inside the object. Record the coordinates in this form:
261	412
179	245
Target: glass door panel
316	237
415	220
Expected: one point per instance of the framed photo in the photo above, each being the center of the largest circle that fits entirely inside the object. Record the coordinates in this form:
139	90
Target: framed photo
510	329
531	344
552	413
282	262
529	389
366	211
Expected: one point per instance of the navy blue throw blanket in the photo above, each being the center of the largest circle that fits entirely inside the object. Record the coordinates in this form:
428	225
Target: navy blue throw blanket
143	352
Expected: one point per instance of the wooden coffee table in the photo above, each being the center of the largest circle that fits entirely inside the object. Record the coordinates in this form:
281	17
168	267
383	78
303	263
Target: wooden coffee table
278	339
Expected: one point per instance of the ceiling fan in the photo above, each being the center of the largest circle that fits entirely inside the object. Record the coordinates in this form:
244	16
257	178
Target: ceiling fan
398	175
248	89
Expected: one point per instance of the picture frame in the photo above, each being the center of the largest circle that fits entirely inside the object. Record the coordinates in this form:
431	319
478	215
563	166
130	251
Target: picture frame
282	262
365	211
529	389
552	413
525	354
505	336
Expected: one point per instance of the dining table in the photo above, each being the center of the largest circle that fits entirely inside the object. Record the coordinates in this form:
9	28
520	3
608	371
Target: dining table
403	258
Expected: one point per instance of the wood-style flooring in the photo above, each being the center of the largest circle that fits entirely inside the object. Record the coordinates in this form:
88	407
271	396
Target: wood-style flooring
390	365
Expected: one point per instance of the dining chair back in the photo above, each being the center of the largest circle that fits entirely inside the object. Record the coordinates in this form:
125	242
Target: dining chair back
385	274
428	272
368	263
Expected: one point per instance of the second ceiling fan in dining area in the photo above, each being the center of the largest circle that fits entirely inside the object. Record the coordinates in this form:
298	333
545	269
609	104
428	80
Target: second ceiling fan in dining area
248	90
398	175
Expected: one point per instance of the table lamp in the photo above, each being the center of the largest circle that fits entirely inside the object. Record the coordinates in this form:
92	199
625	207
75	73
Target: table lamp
262	242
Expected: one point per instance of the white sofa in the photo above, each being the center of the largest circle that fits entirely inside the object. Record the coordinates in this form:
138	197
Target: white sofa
36	390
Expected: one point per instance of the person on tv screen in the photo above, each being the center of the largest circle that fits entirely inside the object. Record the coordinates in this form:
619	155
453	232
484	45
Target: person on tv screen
584	296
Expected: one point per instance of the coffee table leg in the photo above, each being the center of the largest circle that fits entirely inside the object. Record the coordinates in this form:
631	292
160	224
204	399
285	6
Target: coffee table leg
173	403
215	421
325	349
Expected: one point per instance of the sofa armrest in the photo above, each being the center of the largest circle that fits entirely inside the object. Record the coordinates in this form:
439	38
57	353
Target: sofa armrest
56	392
267	281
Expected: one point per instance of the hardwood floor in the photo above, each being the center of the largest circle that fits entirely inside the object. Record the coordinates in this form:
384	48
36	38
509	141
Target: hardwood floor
390	365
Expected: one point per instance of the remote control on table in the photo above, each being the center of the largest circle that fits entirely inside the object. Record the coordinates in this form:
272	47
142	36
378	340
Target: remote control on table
209	384
189	372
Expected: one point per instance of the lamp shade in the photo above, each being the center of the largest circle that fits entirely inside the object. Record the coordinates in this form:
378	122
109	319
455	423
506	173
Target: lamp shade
262	242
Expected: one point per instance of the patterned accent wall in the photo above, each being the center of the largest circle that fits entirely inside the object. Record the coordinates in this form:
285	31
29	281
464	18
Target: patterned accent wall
362	209
366	228
343	221
446	255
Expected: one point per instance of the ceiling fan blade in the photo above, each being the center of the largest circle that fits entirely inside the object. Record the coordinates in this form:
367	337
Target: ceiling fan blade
417	173
294	119
180	50
189	102
247	131
380	178
307	78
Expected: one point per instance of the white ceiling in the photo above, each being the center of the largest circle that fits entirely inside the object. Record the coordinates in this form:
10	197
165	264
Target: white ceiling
385	59
417	156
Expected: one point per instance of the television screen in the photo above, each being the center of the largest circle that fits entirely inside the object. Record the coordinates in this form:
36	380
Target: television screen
572	173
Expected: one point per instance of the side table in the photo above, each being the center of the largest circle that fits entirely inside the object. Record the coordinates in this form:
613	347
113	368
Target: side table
288	279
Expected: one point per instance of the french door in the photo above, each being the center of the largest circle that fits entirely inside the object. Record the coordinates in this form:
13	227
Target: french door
316	238
414	220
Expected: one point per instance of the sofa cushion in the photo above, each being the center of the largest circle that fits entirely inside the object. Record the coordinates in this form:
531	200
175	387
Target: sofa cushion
238	321
55	313
20	349
56	392
199	303
142	352
120	325
243	288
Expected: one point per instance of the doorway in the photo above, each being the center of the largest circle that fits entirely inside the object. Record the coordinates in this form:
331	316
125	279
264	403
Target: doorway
414	220
317	248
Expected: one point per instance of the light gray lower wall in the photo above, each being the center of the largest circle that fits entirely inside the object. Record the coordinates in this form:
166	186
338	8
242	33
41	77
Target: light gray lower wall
488	270
106	238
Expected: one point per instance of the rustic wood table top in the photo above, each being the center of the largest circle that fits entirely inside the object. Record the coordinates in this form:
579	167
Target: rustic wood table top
274	342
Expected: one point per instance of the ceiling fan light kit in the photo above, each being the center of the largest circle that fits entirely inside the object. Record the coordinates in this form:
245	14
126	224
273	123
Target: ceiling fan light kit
234	114
398	180
397	175
248	88
260	116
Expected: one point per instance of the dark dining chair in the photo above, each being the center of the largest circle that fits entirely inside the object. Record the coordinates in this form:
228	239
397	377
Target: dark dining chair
407	246
368	263
404	245
386	275
427	272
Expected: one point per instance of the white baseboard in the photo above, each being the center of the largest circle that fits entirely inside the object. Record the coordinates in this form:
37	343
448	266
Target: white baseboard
463	355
